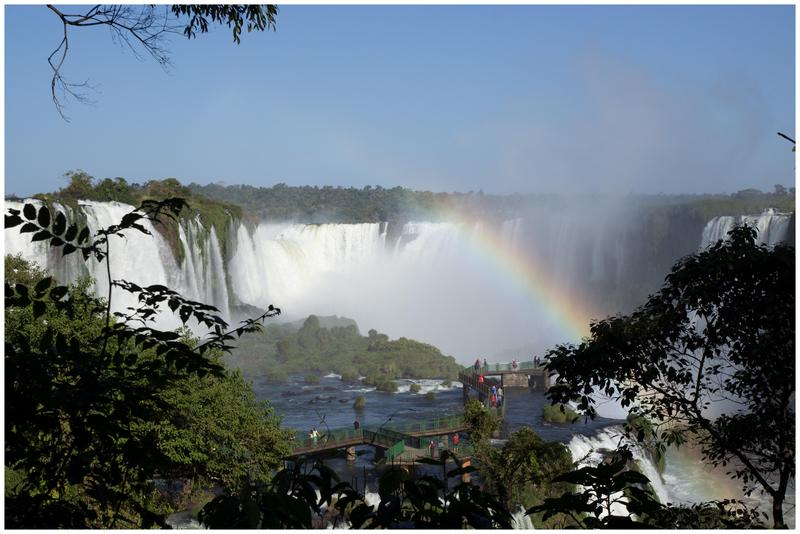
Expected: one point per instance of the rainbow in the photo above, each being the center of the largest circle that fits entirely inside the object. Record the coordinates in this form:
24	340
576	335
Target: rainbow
527	272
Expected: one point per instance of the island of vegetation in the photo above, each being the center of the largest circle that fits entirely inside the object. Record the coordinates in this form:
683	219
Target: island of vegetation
329	344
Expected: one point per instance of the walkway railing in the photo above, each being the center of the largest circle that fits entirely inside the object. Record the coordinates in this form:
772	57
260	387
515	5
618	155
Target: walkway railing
440	423
398	438
504	367
395	451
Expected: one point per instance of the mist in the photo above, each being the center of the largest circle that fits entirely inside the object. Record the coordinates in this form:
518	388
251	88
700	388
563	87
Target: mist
449	283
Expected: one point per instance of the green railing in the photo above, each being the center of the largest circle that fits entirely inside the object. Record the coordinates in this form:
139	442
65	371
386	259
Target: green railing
464	448
328	438
440	423
503	367
397	437
395	451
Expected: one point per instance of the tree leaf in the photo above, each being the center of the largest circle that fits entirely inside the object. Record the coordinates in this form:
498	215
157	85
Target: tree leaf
59	224
28	227
41	236
44	217
72	231
29	210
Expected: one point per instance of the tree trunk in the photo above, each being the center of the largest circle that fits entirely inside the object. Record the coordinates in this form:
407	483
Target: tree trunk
777	512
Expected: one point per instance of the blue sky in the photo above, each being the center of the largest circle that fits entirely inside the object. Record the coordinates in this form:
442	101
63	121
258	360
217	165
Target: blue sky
506	99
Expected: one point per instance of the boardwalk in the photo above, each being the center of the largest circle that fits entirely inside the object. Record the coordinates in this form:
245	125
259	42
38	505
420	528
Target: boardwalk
402	443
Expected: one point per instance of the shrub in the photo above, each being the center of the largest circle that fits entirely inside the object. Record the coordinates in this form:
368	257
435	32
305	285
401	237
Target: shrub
414	388
559	413
430	396
386	386
349	377
359	403
277	377
311	379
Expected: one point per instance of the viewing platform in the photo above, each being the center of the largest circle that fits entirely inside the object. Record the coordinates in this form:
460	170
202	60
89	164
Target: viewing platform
532	374
409	442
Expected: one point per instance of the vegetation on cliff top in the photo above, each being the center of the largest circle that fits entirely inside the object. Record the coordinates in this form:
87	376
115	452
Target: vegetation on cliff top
315	204
211	213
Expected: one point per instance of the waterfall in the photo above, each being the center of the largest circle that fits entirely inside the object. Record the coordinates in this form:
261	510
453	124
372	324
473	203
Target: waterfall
772	227
591	450
136	257
463	285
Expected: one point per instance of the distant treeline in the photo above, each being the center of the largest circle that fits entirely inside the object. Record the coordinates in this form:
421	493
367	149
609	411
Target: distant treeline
315	204
215	202
284	349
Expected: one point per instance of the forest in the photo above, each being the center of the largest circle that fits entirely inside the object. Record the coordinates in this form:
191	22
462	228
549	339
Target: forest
279	350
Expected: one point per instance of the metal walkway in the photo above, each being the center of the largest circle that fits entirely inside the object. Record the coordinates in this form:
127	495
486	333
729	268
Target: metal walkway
409	441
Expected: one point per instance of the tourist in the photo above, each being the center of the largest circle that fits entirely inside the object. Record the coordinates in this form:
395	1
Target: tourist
314	435
494	400
356	424
494	389
480	379
485	364
432	447
514	364
455	442
477	364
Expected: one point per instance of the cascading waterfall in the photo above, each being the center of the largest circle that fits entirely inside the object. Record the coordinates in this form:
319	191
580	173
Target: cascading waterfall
139	258
772	227
590	450
432	282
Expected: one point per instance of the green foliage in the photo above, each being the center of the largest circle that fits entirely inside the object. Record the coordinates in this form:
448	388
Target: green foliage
85	389
414	388
292	349
290	501
253	17
559	413
610	487
218	433
360	403
430	396
381	384
311	379
479	422
398	204
212	214
520	473
349	376
18	270
721	329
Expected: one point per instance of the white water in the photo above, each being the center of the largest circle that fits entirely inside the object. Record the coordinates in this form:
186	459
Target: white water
590	451
443	283
771	226
425	385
